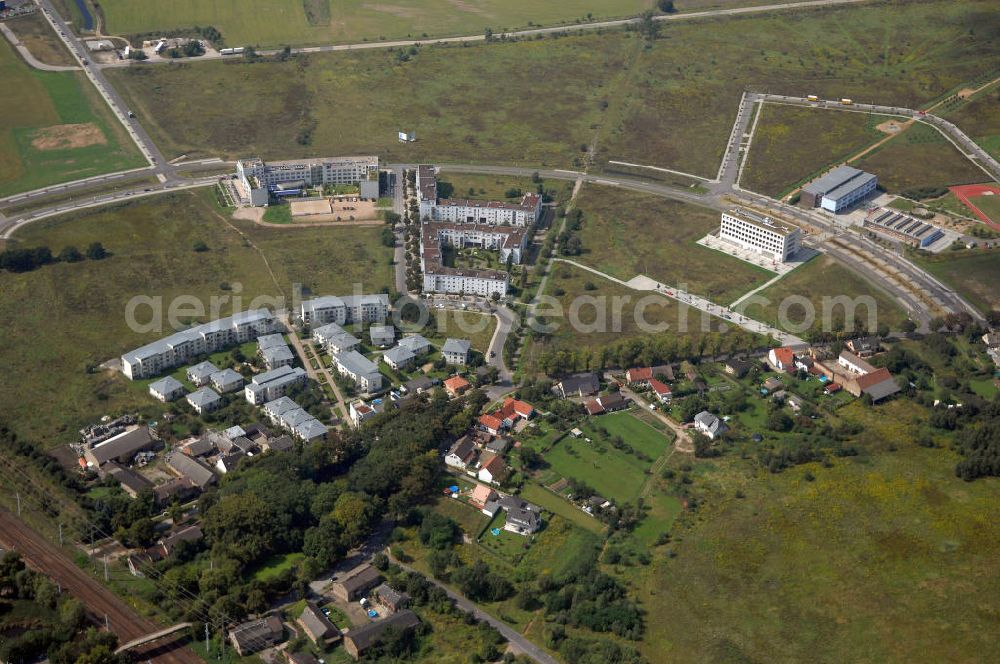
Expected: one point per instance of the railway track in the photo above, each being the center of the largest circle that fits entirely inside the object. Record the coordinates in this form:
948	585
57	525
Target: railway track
46	558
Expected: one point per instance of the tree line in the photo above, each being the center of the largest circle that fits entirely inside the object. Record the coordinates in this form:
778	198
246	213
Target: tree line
26	260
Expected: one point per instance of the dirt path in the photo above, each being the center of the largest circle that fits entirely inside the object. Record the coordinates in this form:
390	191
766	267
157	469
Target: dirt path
263	256
682	442
299	346
48	559
256	215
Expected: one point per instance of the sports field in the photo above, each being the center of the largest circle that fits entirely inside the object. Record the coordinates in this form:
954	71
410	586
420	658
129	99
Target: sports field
56	128
791	145
303	22
627	233
820	281
81	307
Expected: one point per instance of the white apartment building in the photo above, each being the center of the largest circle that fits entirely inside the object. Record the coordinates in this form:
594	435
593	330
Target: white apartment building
508	241
464	211
334	338
258	178
345	310
358	368
273	384
762	234
178	348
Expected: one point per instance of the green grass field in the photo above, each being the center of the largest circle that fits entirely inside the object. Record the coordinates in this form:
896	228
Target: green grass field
919	157
616	474
477	328
152	255
818	279
489	187
885	558
988	205
683	95
56	128
791	145
627	233
297	22
555	504
316	99
974	275
276	565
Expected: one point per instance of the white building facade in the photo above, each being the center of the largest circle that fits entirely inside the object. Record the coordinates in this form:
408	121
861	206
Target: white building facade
258	178
759	233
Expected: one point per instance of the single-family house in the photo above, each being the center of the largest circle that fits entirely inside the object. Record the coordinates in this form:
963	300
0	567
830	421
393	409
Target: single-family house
228	462
390	599
853	363
781	359
481	495
491	423
193	469
462	454
256	635
709	424
283	443
593	406
181	489
771	384
358	581
167	389
317	626
492	468
662	391
198	447
382	335
877	384
201	373
864	346
131	482
456	351
612	402
992	339
457	386
578	385
227	380
522	521
419	385
204	400
359	640
737	367
498	445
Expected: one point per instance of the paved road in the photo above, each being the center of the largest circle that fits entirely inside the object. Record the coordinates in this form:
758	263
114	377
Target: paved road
27	55
514	637
79	51
48	559
596	25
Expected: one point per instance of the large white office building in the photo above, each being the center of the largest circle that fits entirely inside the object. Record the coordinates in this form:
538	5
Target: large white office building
838	189
178	348
760	233
345	309
258	178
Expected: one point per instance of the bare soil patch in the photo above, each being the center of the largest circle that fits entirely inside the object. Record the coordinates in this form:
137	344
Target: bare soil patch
891	127
254	214
66	136
965	93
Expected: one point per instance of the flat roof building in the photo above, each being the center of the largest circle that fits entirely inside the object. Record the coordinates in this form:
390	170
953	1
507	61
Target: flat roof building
838	189
760	233
903	227
257	179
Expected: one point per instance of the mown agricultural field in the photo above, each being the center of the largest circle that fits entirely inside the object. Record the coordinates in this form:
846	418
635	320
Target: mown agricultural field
792	145
538	107
56	128
919	157
627	233
81	306
683	93
298	22
818	281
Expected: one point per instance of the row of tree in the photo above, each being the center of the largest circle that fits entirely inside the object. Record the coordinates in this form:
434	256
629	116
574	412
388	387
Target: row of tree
25	260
